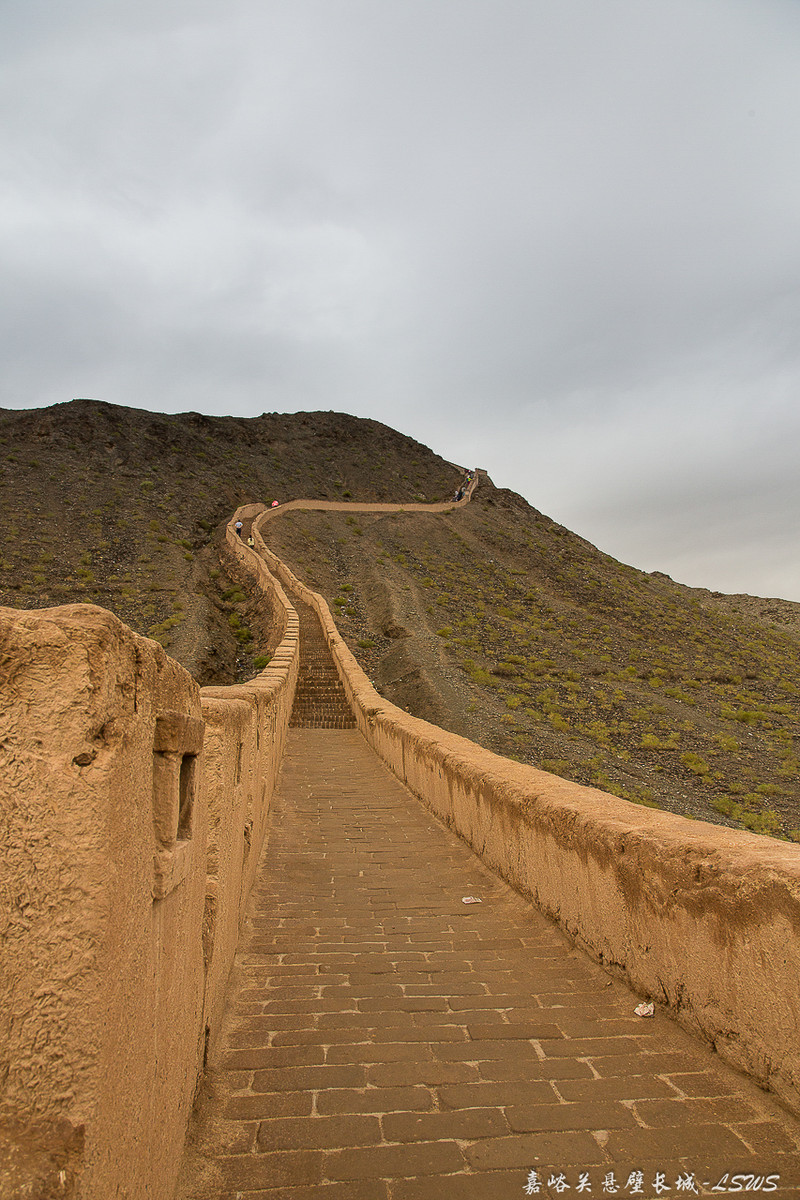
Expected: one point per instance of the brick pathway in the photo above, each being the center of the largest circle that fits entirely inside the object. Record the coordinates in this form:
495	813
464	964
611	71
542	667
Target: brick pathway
386	1041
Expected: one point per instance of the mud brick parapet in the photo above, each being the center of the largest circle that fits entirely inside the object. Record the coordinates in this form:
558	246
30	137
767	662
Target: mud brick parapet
702	919
133	810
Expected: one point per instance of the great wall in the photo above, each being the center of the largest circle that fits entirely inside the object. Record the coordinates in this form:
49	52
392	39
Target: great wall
414	1042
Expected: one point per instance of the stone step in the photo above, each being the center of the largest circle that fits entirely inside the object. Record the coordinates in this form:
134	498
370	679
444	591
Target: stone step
320	701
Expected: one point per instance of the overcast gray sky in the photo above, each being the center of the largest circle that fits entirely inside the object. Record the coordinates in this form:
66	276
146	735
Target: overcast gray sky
556	238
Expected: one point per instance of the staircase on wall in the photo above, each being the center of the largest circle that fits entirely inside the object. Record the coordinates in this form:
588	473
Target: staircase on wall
320	701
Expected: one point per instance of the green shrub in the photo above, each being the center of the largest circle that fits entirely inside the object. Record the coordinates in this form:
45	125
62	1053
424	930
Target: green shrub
505	669
548	700
745	716
598	731
694	763
767	821
651	742
556	766
481	677
727	743
676	694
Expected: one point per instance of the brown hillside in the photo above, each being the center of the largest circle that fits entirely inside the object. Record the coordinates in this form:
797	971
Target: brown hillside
492	621
122	508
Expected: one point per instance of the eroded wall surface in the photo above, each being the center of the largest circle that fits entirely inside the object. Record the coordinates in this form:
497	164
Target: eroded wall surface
103	846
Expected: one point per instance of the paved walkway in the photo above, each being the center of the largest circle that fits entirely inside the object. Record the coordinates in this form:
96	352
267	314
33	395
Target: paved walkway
386	1041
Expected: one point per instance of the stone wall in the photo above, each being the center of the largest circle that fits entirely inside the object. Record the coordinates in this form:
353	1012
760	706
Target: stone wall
699	918
134	809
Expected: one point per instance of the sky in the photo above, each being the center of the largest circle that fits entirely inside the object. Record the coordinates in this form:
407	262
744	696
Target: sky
558	239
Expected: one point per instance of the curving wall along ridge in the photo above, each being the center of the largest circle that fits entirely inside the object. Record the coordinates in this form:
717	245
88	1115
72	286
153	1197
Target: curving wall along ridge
134	809
702	919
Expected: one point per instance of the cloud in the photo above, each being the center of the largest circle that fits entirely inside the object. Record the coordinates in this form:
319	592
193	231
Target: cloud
554	235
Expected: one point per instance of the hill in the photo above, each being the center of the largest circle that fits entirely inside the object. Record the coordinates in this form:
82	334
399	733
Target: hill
123	508
492	621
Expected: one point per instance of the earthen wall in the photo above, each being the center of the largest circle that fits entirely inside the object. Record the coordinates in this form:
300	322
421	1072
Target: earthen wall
134	809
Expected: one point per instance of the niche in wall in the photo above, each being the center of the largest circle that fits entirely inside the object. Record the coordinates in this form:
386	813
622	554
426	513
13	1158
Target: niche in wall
177	741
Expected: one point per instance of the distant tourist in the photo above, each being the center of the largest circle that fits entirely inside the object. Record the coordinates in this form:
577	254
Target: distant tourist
238	527
274	503
250	542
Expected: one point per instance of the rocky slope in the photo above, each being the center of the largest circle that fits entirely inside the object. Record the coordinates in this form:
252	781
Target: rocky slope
123	508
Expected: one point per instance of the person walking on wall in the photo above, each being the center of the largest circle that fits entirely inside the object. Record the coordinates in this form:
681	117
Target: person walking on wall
238	528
